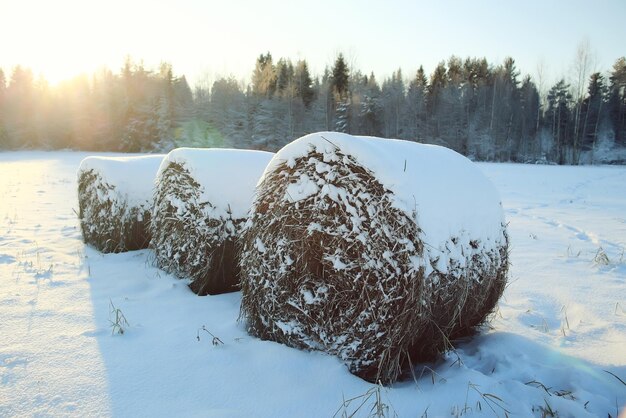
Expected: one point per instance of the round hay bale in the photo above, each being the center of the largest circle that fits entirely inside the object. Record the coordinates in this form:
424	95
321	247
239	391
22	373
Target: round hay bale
201	201
115	201
377	251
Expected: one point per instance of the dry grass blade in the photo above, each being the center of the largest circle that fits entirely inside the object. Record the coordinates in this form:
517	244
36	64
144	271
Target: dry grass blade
616	376
117	319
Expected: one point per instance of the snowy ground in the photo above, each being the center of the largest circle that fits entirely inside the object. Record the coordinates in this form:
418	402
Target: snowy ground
558	342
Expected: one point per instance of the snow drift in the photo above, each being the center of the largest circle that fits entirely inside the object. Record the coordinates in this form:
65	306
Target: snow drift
377	251
115	201
201	201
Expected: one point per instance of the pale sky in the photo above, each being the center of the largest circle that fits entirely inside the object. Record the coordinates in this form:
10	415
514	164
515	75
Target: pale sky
206	39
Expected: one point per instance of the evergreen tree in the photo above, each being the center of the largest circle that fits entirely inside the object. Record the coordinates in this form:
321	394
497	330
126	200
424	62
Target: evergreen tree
435	86
529	107
109	110
504	124
284	75
393	101
416	106
592	111
320	114
264	76
228	115
617	100
341	101
4	139
20	102
451	108
304	83
342	123
183	98
166	101
371	108
340	75
559	116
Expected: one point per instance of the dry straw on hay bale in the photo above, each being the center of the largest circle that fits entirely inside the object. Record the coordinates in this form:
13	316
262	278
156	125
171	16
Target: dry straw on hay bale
201	200
377	251
115	201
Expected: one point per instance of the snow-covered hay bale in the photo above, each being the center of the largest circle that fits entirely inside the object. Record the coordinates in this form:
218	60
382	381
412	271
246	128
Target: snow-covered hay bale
377	251
115	201
201	201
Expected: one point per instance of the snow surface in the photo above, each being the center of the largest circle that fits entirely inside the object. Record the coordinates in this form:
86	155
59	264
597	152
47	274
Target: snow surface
228	176
560	330
133	177
446	190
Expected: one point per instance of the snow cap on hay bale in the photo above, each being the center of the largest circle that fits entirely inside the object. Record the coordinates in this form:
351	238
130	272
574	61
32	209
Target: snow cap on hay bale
378	251
115	201
201	201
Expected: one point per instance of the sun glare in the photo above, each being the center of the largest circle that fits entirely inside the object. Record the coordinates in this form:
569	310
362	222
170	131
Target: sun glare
60	40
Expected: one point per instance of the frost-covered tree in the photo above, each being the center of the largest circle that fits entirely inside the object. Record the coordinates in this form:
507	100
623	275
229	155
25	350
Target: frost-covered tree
227	115
321	112
341	100
392	93
370	107
342	116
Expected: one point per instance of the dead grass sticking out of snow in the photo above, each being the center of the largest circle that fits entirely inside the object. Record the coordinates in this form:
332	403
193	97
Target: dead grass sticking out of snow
343	271
107	220
188	241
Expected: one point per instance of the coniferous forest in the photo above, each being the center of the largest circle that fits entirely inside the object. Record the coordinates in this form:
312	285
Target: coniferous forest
487	111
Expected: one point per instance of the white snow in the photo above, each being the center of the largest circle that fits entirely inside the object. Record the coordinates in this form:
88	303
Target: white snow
559	334
449	194
302	189
228	176
132	177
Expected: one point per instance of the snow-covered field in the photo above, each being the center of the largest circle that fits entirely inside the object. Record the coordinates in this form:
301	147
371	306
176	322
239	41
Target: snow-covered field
557	344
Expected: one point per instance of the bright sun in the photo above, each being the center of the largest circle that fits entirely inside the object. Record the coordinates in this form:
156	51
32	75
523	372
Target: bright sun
62	39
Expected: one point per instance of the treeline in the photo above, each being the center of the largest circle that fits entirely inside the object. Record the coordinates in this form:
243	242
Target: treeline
136	110
488	112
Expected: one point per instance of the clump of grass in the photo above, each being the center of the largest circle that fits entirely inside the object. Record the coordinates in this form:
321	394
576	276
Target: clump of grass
117	319
493	402
215	340
36	267
565	321
562	393
545	410
372	398
571	253
601	258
